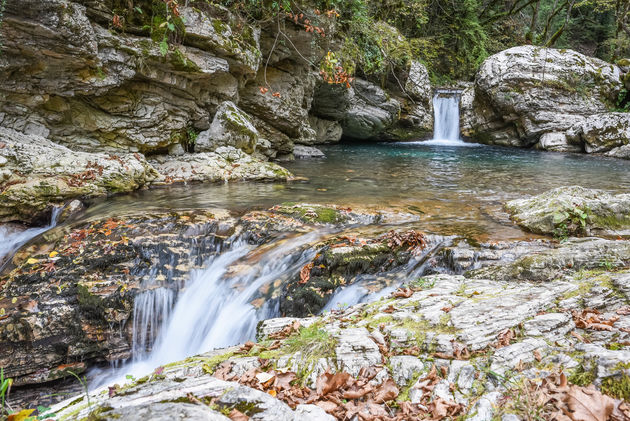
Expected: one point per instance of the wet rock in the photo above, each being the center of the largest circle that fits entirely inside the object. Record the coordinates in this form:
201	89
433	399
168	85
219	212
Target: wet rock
418	84
572	210
311	413
405	368
39	173
69	299
568	258
225	164
371	111
557	142
527	91
165	412
356	350
307	152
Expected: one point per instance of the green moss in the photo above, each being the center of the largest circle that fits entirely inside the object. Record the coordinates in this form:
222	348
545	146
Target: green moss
583	376
617	387
210	364
89	303
181	63
312	213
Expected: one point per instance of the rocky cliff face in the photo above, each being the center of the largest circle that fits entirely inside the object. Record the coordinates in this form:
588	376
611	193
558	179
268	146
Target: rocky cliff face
557	100
72	80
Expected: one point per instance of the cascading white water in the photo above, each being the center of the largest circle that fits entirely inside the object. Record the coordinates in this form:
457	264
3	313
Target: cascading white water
13	237
446	120
215	307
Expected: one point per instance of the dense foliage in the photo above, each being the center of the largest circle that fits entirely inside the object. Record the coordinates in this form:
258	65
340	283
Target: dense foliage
376	39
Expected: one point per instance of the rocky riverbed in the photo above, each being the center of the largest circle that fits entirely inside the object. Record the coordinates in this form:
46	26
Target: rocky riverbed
445	326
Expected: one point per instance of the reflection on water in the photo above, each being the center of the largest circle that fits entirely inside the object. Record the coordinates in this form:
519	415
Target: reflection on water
455	189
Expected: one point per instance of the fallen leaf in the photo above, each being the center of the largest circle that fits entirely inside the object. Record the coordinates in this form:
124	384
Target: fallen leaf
236	415
328	382
387	391
588	404
20	416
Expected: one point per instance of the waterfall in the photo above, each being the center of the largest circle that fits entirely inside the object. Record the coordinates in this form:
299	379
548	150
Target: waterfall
446	120
12	237
219	306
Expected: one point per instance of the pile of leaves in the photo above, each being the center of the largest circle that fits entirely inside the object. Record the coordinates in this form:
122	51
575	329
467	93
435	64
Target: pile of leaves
342	395
556	399
410	240
590	318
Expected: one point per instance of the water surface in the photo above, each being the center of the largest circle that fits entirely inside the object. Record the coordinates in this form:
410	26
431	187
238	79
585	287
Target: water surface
456	190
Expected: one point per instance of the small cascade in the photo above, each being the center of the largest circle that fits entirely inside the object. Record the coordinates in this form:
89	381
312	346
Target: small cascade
150	309
13	237
216	306
446	119
446	112
362	289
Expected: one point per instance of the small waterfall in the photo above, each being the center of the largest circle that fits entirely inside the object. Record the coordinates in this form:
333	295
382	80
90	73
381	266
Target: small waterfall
446	119
446	112
216	307
150	309
12	237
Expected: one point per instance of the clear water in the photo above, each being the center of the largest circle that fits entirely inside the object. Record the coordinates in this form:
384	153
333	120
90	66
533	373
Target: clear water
456	190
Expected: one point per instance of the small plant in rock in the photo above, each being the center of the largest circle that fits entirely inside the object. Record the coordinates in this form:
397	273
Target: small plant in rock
422	283
607	264
571	222
5	387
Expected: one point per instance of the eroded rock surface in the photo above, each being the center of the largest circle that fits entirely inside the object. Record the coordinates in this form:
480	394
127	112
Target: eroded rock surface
467	343
526	92
573	210
37	173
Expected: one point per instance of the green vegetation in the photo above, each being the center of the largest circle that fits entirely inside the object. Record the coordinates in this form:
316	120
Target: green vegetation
378	39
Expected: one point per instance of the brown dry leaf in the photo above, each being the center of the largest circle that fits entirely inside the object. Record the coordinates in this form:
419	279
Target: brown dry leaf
328	382
537	355
223	371
504	338
588	404
283	380
387	391
236	415
305	273
402	293
624	311
578	336
327	406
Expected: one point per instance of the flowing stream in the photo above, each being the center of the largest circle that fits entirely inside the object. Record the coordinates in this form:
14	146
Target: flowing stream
12	237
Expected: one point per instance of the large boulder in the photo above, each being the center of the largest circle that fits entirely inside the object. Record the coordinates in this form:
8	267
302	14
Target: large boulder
230	127
371	111
35	173
573	210
532	90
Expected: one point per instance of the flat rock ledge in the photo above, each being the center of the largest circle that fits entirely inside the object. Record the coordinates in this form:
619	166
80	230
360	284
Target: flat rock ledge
36	173
573	210
444	341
